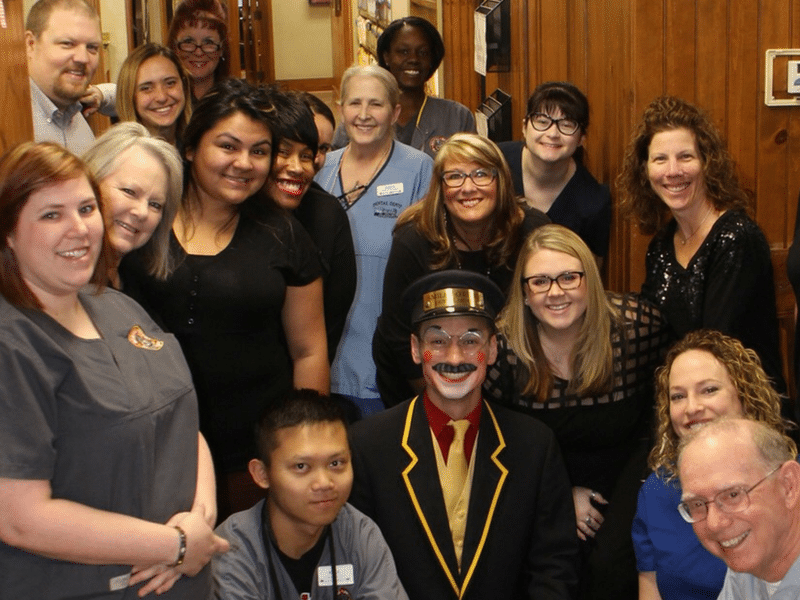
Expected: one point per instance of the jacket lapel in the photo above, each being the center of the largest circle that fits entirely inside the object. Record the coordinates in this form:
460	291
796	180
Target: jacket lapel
421	479
487	483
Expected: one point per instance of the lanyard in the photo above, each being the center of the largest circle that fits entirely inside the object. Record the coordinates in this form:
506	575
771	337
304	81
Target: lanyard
268	547
364	187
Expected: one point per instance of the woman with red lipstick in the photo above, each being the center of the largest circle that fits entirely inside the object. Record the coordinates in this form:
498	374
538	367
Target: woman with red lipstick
547	167
581	360
198	34
141	182
708	265
245	299
153	89
470	219
706	376
106	485
411	49
291	186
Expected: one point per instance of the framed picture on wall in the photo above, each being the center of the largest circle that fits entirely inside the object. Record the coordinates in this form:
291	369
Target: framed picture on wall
319	2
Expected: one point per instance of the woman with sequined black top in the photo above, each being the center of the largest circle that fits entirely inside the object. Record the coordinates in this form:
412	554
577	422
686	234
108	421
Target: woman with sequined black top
469	219
708	265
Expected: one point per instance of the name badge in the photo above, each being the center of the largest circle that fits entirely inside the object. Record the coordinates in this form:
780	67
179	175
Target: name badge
120	582
344	575
389	189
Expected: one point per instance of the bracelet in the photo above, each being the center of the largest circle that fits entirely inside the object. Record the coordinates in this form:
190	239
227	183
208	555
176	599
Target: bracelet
182	548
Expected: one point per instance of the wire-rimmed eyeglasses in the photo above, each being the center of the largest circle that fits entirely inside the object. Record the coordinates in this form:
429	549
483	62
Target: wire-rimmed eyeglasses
480	177
206	46
439	341
543	122
539	284
732	500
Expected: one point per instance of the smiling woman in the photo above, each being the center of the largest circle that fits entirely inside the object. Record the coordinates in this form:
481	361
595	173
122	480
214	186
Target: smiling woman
141	181
198	34
375	179
99	432
708	265
153	88
581	360
411	49
245	299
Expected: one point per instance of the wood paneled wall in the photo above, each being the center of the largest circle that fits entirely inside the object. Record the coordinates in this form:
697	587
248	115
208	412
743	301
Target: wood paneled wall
623	53
16	121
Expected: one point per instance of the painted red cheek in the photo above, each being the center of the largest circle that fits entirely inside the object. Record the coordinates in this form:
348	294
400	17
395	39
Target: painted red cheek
481	357
427	356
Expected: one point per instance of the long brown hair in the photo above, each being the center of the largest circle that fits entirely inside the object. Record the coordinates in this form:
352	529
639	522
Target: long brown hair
430	215
592	358
719	171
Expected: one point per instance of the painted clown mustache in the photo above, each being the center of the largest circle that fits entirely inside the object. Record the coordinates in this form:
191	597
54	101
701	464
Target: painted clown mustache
442	368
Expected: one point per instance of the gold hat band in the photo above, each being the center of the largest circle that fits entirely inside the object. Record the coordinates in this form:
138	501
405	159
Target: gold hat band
452	298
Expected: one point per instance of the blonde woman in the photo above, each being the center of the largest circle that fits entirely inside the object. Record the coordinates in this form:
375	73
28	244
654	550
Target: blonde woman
581	360
706	376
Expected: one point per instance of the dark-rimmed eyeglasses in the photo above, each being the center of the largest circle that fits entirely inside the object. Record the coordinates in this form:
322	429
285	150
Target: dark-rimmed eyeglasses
540	284
480	177
206	46
543	122
732	500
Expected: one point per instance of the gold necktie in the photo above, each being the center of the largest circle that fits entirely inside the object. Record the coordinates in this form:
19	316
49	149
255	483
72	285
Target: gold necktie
455	476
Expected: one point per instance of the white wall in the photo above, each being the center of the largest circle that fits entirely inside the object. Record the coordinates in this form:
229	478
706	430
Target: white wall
302	40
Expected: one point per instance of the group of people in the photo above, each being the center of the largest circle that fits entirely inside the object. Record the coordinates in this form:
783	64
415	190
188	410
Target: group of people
215	265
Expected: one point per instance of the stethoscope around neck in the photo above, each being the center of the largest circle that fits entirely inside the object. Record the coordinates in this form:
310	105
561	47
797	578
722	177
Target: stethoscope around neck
267	535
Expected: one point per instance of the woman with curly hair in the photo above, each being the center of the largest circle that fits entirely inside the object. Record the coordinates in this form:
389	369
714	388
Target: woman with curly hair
581	360
708	265
706	376
469	219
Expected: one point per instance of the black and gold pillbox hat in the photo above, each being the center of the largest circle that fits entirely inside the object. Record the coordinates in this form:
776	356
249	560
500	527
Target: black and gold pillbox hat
451	293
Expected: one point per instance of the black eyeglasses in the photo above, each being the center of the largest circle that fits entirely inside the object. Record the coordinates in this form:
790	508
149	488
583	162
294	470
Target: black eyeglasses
732	500
540	284
480	177
543	122
206	46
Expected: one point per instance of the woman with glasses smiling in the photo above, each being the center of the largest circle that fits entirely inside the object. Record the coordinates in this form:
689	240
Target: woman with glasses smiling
469	219
547	168
706	376
581	360
199	36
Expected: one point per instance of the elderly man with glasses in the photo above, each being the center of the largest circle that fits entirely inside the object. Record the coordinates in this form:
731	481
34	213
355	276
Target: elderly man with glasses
741	492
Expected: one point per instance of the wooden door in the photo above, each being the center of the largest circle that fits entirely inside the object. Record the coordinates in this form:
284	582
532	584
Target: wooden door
342	37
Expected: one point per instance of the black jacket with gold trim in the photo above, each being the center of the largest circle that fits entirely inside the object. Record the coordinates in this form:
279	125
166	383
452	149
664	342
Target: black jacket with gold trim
520	540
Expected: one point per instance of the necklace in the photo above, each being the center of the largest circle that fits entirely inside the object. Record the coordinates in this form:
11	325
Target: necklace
688	237
347	199
454	236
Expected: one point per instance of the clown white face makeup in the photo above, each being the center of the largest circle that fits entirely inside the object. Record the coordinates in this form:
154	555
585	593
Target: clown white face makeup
454	352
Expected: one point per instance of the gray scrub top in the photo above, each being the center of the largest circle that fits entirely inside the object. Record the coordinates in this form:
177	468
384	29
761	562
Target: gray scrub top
111	423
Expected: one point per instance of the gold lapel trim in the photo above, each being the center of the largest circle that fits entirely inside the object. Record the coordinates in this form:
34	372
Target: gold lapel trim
501	444
414	500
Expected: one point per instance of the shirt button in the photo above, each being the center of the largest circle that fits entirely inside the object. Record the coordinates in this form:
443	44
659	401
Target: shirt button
193	293
191	321
196	278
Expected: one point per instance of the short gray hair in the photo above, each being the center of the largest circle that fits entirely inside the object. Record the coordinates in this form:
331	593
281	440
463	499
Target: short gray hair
383	76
